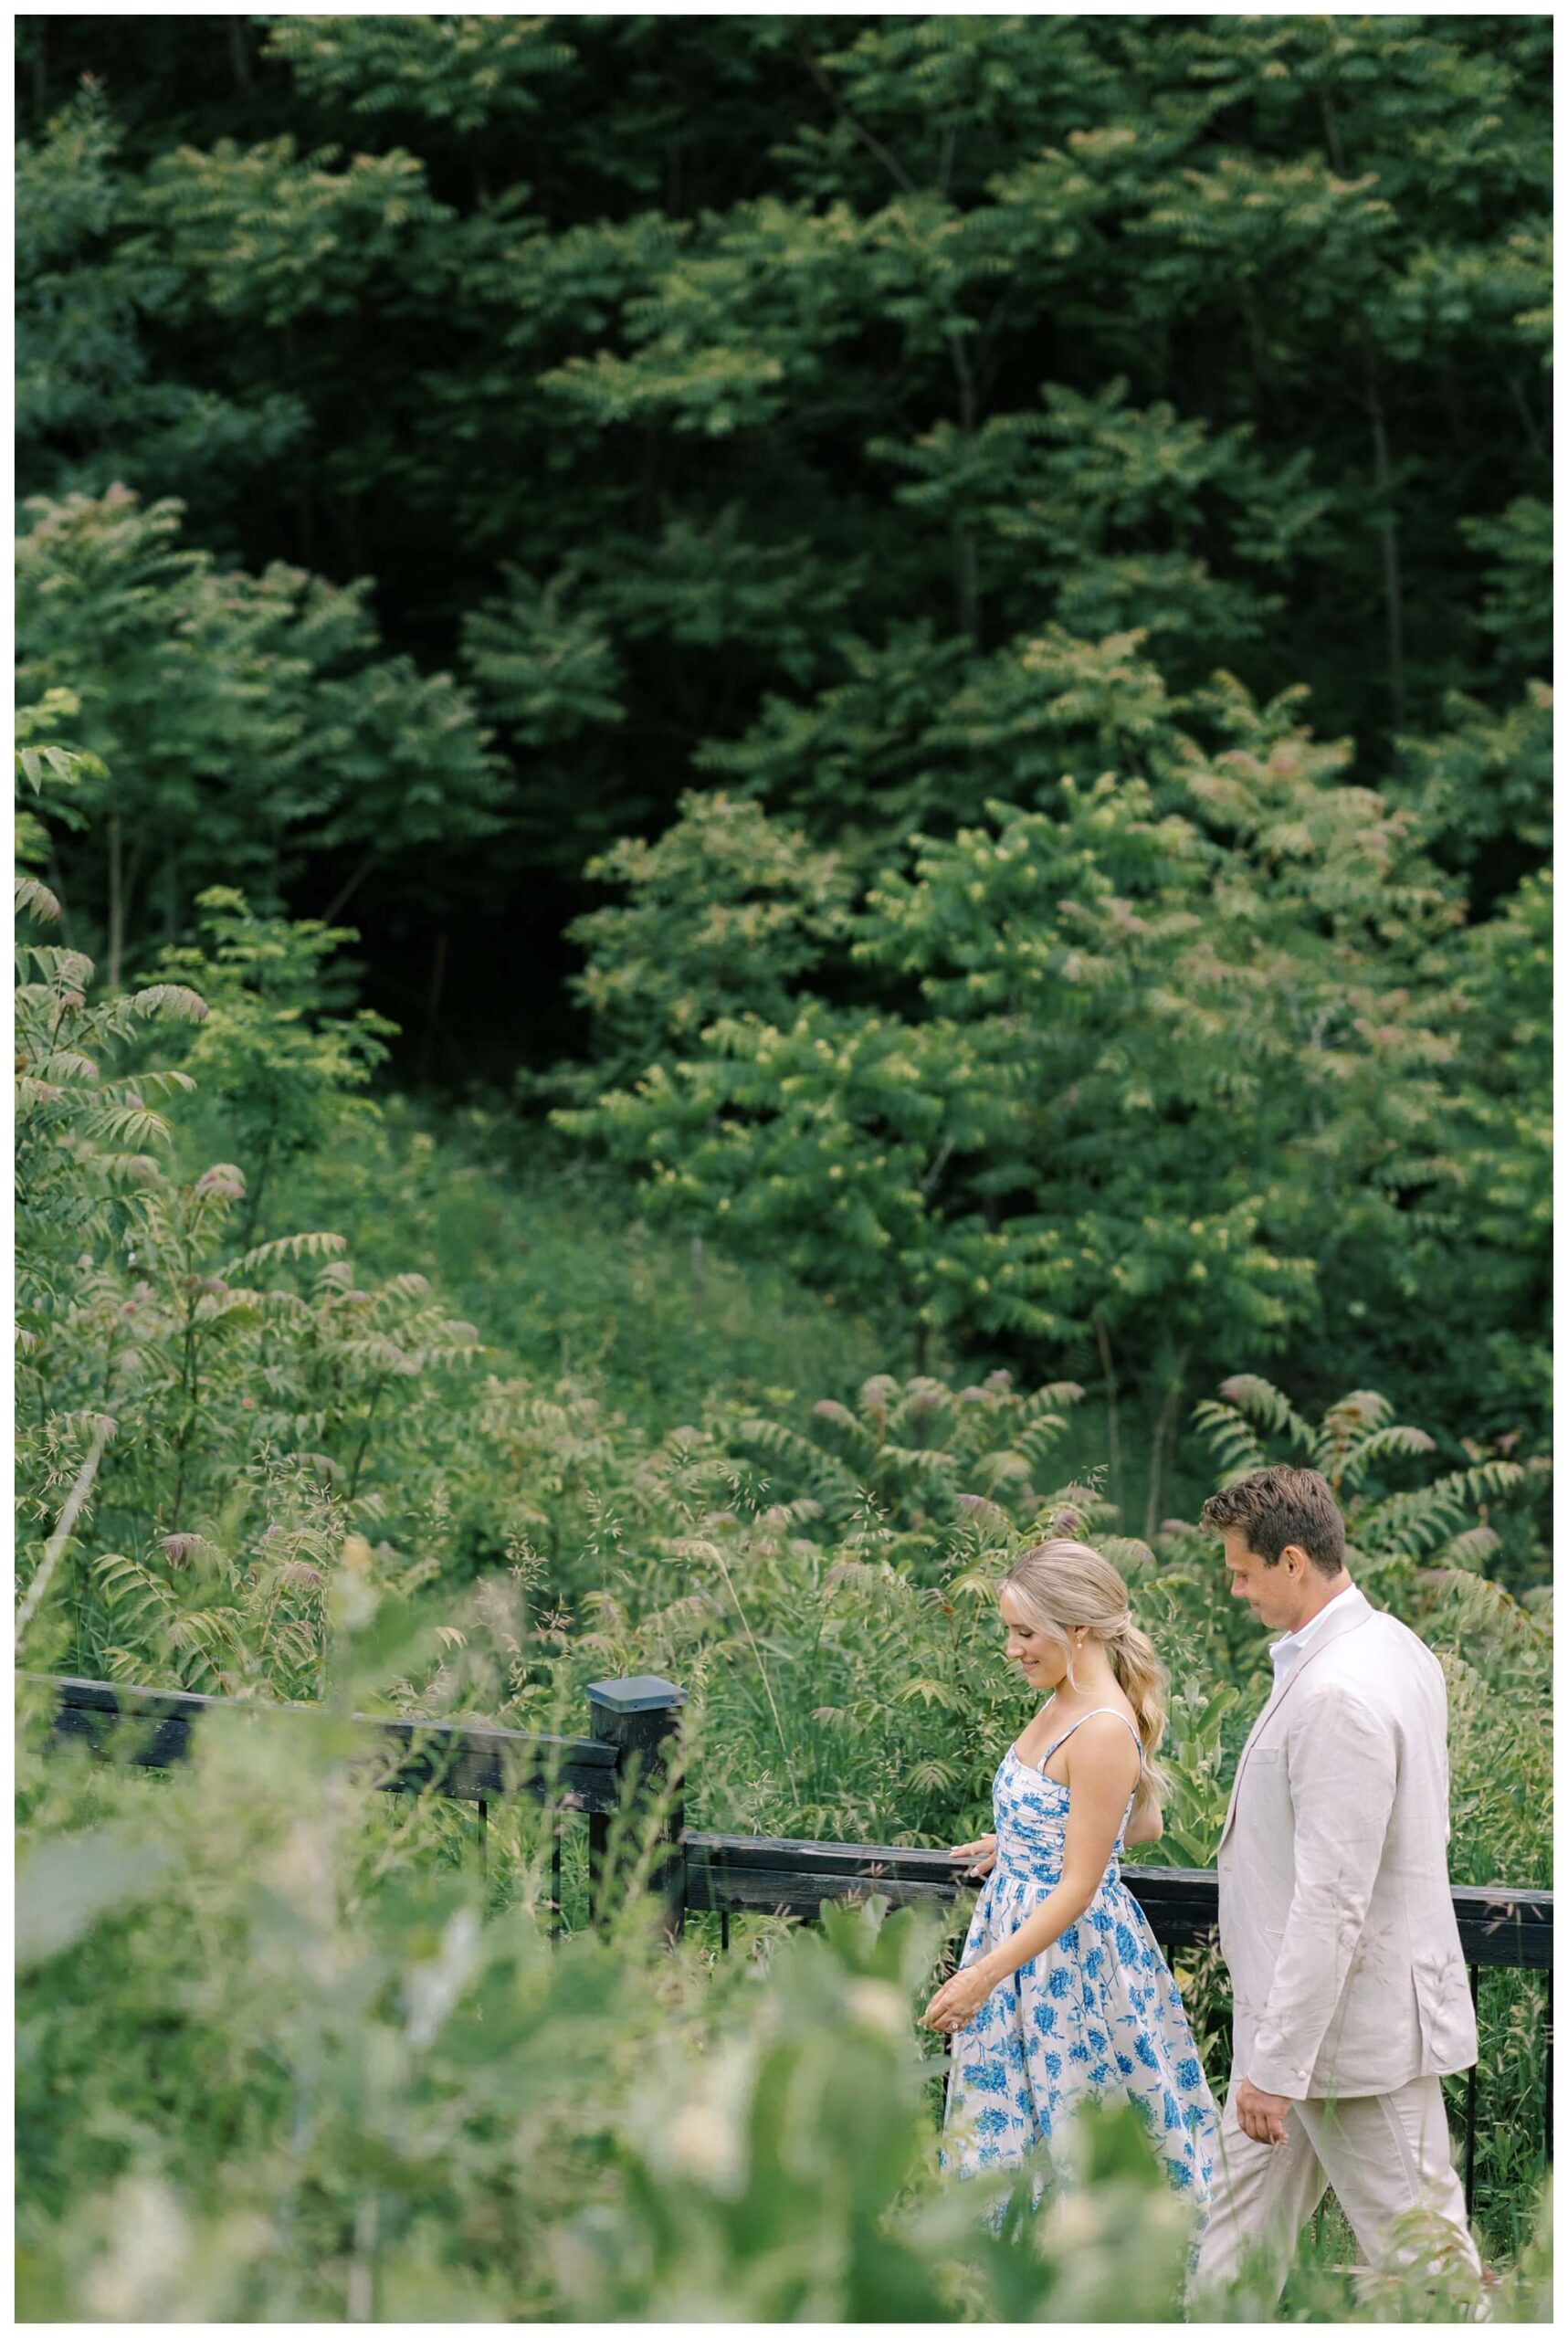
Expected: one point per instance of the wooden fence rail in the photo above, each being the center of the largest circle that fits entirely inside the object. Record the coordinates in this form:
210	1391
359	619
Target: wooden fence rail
735	1872
630	1761
152	1727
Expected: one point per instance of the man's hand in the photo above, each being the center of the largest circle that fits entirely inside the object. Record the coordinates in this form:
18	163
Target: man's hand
1260	2115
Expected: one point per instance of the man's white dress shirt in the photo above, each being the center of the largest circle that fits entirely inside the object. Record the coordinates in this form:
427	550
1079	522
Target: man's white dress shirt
1286	1654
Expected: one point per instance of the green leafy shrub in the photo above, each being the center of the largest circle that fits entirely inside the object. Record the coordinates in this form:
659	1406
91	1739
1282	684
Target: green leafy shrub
200	1381
282	1073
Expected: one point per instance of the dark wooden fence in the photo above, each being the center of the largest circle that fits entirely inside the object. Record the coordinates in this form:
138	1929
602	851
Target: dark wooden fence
629	1767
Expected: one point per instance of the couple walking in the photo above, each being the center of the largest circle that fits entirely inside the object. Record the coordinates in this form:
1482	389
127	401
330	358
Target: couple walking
1335	1919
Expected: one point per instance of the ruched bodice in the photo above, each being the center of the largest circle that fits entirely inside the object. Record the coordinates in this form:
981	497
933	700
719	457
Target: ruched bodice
1032	1825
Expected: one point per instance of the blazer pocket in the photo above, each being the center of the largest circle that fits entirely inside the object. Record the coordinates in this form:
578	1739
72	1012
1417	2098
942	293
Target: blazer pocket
1265	1790
1443	2009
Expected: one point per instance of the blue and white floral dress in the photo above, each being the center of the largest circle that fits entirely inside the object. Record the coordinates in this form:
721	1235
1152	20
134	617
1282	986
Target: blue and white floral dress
1095	2018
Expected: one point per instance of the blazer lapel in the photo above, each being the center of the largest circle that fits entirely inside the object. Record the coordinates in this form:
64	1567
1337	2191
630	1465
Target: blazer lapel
1348	1618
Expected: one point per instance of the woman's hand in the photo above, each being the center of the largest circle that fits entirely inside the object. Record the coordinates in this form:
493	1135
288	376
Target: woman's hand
984	1854
958	2000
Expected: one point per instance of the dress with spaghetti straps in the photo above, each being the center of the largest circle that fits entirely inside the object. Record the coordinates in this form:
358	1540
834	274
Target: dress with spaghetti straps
1096	2017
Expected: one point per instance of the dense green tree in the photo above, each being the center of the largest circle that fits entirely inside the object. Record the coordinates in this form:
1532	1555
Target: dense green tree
246	722
722	916
710	359
93	402
1159	1071
1487	1244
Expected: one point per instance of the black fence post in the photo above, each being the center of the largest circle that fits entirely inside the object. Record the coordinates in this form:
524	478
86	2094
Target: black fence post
1470	2104
641	1719
1551	2044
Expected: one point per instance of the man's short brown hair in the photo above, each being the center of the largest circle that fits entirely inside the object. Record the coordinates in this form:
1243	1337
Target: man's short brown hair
1273	1506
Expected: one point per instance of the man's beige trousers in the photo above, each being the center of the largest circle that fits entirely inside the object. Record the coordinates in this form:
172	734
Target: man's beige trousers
1386	2156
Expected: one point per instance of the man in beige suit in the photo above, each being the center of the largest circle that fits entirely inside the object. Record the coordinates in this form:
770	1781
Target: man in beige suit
1348	1981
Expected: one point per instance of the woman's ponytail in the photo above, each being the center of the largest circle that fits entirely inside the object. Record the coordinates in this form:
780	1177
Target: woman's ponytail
1141	1679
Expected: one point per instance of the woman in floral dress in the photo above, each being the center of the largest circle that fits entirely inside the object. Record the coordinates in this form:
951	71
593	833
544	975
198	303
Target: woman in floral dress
1062	1996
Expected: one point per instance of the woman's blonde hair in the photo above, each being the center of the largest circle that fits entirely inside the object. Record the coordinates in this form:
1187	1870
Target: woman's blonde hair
1064	1587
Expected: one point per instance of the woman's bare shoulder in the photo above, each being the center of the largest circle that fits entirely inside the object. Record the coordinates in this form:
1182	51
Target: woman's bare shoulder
1107	1736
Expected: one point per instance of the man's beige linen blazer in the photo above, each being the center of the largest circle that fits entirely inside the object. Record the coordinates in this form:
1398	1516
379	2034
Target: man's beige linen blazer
1335	1917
